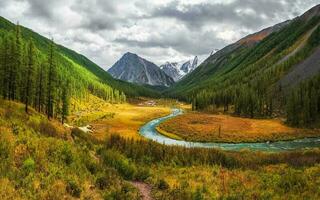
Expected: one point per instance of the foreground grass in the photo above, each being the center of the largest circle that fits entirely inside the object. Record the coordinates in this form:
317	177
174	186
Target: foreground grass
216	182
203	127
40	159
179	173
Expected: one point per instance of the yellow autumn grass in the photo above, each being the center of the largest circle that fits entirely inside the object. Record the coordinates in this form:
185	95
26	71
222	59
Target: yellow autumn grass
202	127
123	119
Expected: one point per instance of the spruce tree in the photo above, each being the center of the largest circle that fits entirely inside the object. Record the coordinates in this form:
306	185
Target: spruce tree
65	102
51	85
41	83
17	61
29	76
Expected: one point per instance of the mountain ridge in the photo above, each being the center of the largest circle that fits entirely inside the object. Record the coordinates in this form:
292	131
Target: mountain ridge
135	69
177	70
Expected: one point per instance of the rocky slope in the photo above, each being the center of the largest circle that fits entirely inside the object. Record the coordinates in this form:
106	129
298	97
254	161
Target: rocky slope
178	70
135	69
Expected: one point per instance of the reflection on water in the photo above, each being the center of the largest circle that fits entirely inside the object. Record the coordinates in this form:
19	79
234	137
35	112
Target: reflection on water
149	131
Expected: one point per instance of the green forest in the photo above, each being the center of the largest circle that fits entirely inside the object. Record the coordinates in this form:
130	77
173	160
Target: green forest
249	77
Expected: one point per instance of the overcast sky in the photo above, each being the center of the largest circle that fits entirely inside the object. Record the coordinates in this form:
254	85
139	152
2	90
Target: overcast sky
158	30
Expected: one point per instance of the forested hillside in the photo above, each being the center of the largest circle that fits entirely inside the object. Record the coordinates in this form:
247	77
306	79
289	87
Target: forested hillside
247	78
36	71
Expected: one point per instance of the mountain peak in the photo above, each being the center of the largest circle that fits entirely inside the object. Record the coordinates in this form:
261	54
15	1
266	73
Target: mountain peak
129	54
134	69
178	70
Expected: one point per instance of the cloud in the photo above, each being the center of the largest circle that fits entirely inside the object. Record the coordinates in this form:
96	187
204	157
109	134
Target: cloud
167	30
248	13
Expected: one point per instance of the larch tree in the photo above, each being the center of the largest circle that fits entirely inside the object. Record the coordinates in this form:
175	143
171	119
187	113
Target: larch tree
51	85
29	82
65	102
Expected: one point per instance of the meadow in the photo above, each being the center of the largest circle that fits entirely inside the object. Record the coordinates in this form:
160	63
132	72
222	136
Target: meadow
124	119
202	127
42	159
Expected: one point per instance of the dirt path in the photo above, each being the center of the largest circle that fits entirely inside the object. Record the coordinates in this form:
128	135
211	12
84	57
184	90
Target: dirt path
145	190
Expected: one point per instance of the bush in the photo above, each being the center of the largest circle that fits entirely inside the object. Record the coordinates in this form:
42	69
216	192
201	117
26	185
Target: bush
163	185
125	192
66	154
142	174
28	165
92	166
73	189
198	195
6	151
293	180
47	129
101	182
116	160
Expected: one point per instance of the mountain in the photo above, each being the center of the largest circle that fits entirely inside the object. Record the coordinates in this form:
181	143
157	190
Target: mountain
257	74
135	69
218	60
178	70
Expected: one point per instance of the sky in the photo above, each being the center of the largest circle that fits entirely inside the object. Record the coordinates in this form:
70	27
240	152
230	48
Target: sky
158	30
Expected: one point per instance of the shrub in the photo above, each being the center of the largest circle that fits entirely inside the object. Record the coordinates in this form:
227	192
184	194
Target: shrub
292	180
198	195
6	151
101	182
125	192
73	189
92	166
57	190
116	160
163	185
47	129
29	165
66	154
142	174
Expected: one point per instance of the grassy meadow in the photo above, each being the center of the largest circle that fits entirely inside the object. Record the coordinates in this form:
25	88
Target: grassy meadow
124	119
202	127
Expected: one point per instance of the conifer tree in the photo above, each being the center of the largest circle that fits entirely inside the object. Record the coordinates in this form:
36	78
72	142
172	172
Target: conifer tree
29	76
41	83
65	102
16	66
51	81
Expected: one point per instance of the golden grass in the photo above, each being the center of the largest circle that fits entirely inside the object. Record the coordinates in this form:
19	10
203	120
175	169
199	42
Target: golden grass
219	182
167	134
205	128
123	119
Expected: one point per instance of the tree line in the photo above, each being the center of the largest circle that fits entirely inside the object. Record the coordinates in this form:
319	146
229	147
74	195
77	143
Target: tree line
39	78
254	91
28	79
303	106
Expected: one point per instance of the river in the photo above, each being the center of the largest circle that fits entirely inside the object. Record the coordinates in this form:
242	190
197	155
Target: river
149	131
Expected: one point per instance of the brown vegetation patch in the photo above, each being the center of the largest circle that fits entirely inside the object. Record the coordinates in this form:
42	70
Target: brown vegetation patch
225	128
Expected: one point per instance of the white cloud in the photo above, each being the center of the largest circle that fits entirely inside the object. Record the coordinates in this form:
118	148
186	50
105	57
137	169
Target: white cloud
166	30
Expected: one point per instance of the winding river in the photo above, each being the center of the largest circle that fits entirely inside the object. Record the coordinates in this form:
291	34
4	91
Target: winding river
149	131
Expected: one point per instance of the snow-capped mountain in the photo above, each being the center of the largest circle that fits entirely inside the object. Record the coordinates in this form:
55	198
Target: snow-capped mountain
178	70
135	69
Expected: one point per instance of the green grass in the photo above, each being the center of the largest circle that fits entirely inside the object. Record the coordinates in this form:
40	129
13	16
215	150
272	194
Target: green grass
40	160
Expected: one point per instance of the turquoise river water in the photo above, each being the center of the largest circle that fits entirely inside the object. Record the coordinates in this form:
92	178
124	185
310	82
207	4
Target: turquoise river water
149	131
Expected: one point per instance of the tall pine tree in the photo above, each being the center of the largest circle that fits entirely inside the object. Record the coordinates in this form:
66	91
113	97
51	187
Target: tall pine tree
29	82
51	85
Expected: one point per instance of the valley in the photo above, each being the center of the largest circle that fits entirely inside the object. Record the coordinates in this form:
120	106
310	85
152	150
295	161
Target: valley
243	124
199	127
